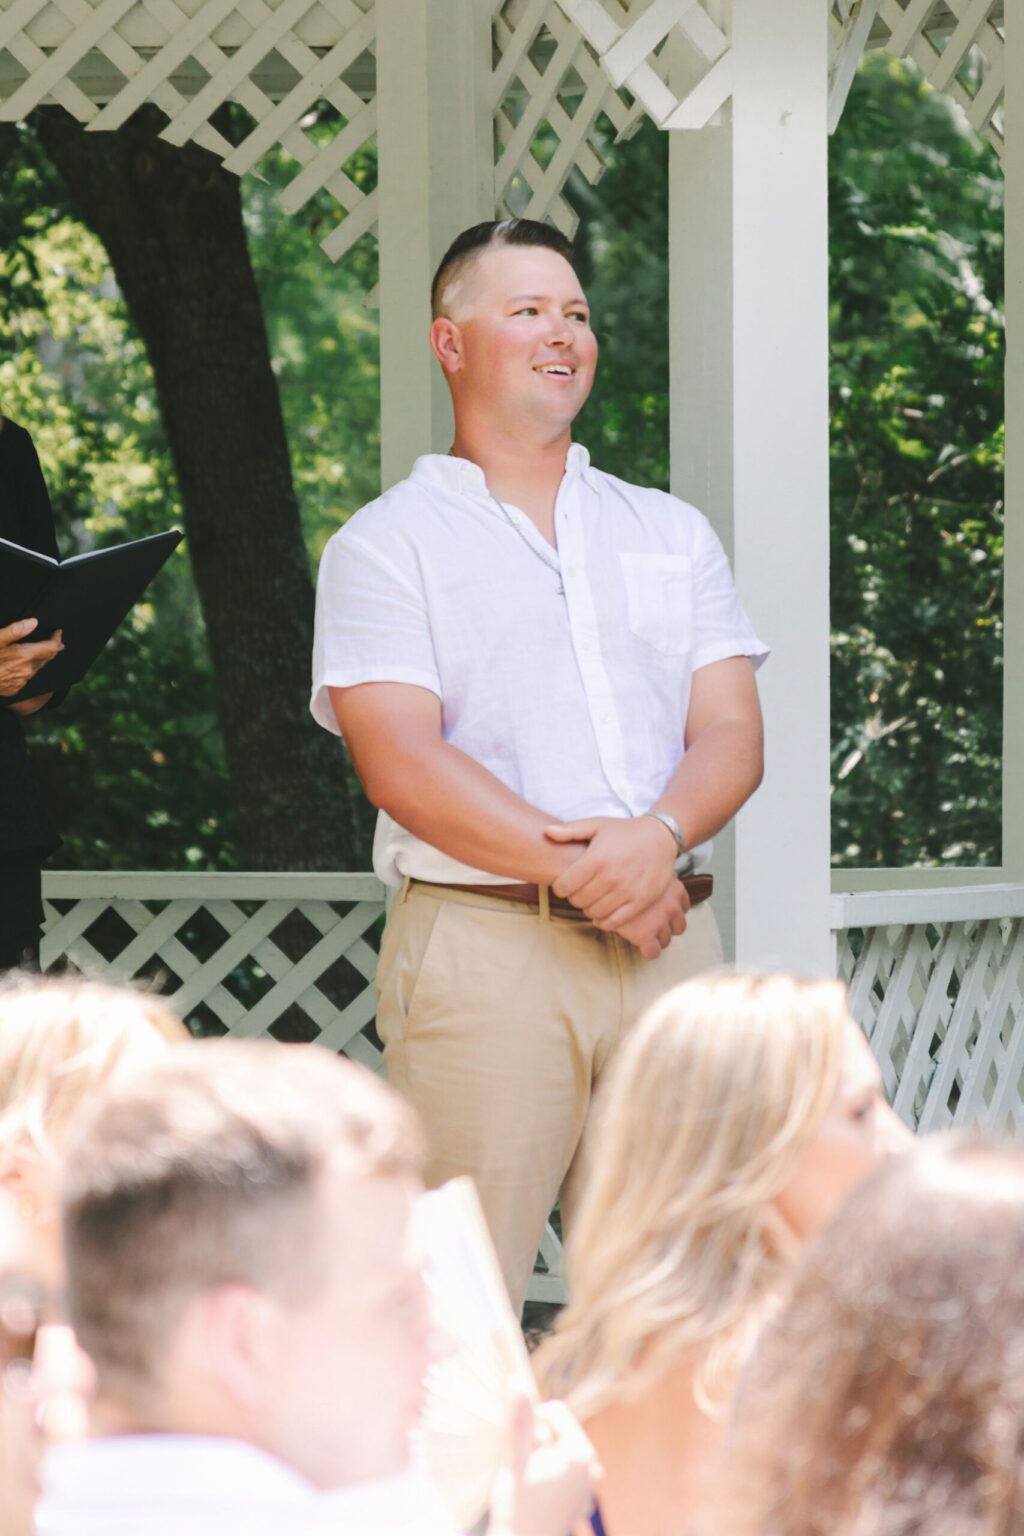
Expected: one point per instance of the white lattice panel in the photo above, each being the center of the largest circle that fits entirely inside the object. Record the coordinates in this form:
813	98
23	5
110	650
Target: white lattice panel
957	44
630	41
243	955
940	995
190	58
549	96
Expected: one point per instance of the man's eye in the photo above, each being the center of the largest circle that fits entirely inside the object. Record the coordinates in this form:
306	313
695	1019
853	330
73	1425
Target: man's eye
527	309
581	316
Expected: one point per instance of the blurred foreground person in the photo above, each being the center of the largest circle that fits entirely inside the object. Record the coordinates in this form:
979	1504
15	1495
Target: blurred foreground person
887	1397
42	1375
61	1040
242	1273
738	1114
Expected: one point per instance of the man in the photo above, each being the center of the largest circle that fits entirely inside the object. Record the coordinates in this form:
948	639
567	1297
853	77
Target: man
546	684
242	1273
27	832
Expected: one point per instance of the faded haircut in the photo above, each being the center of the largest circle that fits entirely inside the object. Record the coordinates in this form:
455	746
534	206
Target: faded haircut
203	1171
467	247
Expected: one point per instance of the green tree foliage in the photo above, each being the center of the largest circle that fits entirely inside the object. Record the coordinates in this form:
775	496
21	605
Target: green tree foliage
134	761
621	247
917	478
916	374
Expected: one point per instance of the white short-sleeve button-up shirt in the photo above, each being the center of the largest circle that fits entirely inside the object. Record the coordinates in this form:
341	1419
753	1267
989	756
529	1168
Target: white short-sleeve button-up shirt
565	672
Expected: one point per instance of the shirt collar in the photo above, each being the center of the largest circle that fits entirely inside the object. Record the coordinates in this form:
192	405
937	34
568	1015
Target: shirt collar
158	1463
451	473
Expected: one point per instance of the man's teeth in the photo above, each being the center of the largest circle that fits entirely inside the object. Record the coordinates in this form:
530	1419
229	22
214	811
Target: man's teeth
559	368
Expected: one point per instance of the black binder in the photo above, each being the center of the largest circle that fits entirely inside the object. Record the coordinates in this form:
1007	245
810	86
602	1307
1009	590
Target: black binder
86	597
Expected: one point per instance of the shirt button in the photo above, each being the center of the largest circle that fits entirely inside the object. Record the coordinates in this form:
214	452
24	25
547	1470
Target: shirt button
587	645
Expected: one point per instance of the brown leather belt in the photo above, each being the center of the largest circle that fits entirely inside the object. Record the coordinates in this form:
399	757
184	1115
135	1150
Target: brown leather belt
699	888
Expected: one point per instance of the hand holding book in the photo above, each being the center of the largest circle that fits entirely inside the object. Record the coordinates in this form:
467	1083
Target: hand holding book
74	605
21	658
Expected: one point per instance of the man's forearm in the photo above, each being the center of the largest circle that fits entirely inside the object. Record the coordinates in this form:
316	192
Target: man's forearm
719	773
445	797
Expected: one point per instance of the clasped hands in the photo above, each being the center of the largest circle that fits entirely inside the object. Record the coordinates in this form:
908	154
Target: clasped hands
625	880
19	663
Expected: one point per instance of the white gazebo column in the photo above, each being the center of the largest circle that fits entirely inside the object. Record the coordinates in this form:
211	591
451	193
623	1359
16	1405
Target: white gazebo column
435	143
1013	558
749	335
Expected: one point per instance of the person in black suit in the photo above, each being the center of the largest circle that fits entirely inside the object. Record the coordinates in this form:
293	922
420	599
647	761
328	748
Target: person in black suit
27	831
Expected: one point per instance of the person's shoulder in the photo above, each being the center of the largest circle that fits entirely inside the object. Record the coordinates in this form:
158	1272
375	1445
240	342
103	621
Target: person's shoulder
385	517
15	440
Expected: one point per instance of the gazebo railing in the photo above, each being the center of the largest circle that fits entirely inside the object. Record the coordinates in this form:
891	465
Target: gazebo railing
936	978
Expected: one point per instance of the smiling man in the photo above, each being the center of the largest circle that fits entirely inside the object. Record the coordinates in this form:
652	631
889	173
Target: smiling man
546	683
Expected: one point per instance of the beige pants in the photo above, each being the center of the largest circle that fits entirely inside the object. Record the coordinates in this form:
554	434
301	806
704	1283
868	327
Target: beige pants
498	1019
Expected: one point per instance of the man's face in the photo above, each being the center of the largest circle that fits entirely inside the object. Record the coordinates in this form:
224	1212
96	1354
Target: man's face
355	1350
528	353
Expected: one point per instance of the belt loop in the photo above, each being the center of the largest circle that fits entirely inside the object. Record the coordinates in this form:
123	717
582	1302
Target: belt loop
403	893
543	897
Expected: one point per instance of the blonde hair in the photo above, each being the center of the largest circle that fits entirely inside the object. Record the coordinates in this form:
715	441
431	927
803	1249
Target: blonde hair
706	1113
61	1040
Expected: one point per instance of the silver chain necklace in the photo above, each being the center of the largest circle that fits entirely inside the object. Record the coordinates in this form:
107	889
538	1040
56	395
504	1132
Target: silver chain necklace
551	564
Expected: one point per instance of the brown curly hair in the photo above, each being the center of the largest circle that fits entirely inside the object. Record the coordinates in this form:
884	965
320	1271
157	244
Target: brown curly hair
887	1398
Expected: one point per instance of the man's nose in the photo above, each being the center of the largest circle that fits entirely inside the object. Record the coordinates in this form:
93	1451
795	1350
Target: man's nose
559	331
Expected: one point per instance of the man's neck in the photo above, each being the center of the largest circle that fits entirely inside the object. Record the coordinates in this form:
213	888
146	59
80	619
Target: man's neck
526	474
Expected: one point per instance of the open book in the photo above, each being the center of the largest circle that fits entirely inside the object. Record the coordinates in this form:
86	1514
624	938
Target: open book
86	597
471	1391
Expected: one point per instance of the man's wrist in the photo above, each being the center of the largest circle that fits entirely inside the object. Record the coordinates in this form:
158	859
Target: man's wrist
683	856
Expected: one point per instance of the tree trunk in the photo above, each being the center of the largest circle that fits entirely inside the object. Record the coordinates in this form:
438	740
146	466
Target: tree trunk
171	221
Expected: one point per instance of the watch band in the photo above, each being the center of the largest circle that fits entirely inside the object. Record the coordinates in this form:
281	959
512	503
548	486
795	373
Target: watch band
684	858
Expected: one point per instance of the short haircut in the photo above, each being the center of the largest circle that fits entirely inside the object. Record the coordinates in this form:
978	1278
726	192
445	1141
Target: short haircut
468	246
887	1397
61	1040
203	1171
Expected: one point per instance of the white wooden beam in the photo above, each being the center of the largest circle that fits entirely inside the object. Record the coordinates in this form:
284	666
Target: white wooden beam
436	177
1013	558
749	335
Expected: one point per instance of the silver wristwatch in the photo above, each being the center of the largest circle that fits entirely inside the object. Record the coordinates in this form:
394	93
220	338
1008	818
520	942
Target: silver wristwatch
684	859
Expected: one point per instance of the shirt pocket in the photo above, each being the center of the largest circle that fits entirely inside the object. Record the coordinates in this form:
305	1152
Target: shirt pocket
659	594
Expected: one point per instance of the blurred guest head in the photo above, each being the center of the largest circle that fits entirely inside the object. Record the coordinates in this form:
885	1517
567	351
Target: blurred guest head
239	1251
737	1114
887	1397
60	1041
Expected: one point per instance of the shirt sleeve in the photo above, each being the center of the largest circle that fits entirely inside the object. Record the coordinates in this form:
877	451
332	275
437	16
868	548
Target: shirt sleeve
721	626
371	625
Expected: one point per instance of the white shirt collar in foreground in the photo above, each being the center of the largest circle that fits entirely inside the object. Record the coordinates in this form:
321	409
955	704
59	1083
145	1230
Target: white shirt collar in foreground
183	1485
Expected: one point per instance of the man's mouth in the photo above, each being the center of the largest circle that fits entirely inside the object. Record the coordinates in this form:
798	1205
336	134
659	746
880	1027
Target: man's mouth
557	370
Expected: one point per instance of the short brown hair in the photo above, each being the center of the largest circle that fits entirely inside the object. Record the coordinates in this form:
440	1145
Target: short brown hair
887	1398
472	242
201	1172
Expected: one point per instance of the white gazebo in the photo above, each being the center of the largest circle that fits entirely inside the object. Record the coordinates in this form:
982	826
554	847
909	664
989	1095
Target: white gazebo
455	93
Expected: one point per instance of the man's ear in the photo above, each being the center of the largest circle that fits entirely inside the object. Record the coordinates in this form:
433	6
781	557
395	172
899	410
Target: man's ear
446	343
230	1332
